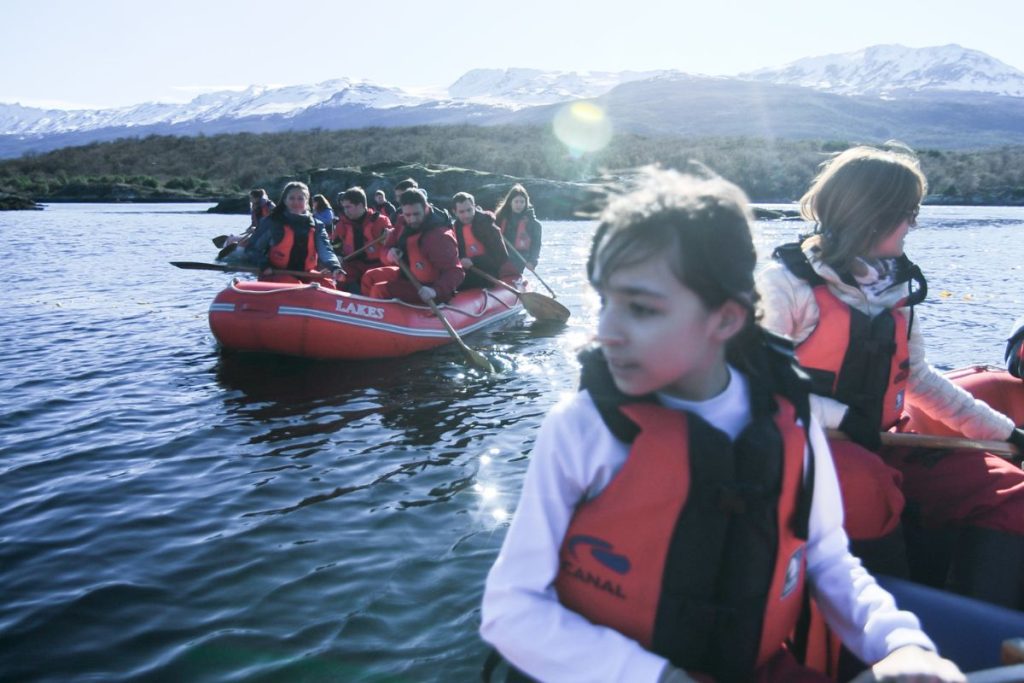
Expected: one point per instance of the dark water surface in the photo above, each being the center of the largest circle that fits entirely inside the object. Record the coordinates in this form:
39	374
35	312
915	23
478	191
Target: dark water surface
169	513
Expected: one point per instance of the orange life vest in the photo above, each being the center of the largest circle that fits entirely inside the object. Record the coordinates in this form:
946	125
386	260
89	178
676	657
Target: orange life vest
353	238
695	549
861	361
521	241
289	254
421	267
855	358
469	245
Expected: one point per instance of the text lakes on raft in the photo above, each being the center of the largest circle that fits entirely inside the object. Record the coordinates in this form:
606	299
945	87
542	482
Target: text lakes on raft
363	310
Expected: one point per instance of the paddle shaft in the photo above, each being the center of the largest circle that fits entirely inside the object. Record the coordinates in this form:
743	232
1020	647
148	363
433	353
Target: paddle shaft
195	265
474	357
493	280
526	263
911	440
219	240
376	240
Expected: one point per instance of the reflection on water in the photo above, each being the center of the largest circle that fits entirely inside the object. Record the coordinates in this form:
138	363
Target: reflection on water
168	512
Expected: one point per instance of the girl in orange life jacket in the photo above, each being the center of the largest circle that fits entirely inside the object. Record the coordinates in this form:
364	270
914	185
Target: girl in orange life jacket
291	239
845	296
518	222
672	509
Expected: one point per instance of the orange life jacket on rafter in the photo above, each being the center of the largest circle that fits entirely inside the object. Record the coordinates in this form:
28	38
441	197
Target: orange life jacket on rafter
353	237
521	240
696	549
292	254
469	245
420	266
861	361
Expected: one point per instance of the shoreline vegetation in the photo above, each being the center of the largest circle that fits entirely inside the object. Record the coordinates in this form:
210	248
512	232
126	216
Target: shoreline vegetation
444	159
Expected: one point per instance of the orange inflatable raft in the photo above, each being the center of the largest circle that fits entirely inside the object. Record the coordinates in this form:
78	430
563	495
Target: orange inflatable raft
311	321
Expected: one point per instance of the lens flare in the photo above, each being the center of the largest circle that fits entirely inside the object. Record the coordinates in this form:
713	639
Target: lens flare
583	127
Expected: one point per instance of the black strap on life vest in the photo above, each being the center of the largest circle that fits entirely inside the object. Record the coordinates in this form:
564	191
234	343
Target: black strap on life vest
793	257
358	231
460	236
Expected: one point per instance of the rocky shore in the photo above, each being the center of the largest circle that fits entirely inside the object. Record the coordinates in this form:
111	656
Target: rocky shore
17	202
554	200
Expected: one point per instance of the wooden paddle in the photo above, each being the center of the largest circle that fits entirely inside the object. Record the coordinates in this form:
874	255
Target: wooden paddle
911	440
474	357
525	263
539	306
376	240
195	265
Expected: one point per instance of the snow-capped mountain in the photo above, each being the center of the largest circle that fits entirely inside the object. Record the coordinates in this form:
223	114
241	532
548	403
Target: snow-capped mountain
884	82
254	101
889	70
518	88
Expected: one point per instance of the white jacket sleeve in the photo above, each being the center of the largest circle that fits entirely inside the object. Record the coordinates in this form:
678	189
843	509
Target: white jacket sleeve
945	402
521	615
788	306
862	613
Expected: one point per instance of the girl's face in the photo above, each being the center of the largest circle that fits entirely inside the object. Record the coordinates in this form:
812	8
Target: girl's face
518	203
657	335
891	246
297	201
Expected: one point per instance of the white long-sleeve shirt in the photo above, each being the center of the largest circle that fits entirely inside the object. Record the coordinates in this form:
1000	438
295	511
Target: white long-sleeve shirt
574	459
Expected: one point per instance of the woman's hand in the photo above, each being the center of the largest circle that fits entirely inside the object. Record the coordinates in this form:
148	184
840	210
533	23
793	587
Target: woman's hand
467	262
427	293
393	256
912	664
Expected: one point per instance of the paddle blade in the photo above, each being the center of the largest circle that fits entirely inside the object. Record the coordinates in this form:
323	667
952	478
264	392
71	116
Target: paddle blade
477	359
544	307
227	250
219	241
195	265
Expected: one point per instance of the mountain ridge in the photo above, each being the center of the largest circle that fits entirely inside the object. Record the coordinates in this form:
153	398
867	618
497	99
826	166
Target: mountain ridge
951	86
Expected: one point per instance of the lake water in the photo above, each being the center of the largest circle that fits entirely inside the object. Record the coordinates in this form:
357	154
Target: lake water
171	513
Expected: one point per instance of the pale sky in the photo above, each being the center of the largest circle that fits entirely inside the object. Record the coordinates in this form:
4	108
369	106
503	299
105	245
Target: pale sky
104	53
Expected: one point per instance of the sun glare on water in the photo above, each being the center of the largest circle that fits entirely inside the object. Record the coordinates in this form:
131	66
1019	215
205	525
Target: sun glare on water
583	127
